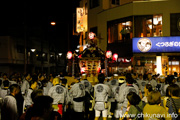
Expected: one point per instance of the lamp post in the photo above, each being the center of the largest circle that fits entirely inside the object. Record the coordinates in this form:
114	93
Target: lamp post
108	56
115	57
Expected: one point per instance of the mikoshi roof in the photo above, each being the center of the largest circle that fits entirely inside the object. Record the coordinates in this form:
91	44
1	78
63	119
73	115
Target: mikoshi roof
92	52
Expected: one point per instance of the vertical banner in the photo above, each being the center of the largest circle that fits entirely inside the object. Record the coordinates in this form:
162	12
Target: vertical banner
79	20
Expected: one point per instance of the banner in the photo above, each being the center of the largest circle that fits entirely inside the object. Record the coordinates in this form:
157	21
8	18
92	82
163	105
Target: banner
156	44
79	20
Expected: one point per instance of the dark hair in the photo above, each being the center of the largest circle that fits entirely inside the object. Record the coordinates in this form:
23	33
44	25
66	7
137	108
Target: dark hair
175	73
145	76
140	75
44	83
133	98
129	79
101	78
169	80
149	87
174	90
6	83
36	93
13	86
41	103
154	98
64	81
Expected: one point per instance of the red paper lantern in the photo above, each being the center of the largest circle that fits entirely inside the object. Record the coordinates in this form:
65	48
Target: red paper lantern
91	35
83	69
69	54
115	56
108	54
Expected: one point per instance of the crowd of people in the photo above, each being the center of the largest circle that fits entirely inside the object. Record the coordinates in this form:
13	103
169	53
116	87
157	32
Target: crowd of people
124	96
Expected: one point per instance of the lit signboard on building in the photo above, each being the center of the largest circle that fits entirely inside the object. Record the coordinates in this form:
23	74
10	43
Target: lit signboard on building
156	44
79	20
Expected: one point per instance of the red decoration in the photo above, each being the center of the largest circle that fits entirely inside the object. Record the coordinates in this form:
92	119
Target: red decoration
91	35
69	54
83	69
115	56
108	54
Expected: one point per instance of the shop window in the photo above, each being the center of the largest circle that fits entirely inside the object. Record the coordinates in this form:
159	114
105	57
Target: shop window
125	30
175	24
173	66
148	26
94	3
157	25
120	31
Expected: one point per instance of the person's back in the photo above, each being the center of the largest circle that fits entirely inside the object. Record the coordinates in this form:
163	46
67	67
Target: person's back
88	85
4	91
25	85
152	81
60	96
42	110
28	100
125	88
153	108
174	100
101	94
9	107
136	106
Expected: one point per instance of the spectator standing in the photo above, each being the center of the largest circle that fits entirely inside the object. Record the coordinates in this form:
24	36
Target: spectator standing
77	95
153	110
25	84
174	100
152	81
125	89
102	93
141	83
5	90
147	90
28	100
42	109
9	108
60	96
135	105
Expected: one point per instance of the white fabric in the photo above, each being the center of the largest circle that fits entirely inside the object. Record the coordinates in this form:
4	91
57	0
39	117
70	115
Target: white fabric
9	109
98	113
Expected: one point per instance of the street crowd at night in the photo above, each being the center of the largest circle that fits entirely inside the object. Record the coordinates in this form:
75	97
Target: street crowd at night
117	97
90	60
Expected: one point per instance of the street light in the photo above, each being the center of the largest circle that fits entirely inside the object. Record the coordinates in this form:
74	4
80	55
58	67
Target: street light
60	54
53	23
33	50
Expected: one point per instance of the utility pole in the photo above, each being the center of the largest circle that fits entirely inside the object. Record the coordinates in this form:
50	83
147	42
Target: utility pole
25	40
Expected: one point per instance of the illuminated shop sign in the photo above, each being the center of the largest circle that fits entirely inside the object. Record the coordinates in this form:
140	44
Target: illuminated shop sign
79	20
156	44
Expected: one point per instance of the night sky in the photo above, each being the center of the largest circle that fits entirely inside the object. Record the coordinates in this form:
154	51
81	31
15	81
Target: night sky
37	15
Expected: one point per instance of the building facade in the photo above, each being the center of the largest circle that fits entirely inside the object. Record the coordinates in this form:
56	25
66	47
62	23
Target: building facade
118	22
40	56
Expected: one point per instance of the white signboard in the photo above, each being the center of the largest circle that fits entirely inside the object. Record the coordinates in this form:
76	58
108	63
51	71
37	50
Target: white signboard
79	20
